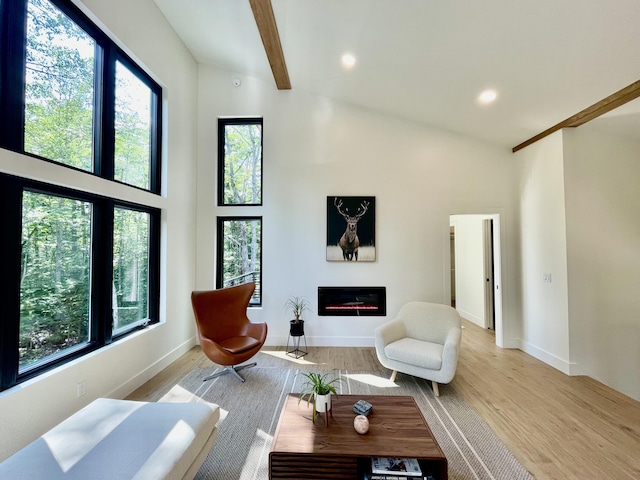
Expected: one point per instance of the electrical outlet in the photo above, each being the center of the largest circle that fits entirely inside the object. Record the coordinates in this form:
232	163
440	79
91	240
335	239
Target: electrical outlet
81	388
546	277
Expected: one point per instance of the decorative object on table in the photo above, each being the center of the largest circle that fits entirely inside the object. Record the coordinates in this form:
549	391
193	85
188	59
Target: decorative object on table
318	390
362	407
361	424
351	229
399	466
297	305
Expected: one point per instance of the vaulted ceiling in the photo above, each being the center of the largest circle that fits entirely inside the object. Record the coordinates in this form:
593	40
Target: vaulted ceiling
427	61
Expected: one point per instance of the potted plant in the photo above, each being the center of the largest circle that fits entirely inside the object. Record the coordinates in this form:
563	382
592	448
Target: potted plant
297	305
319	389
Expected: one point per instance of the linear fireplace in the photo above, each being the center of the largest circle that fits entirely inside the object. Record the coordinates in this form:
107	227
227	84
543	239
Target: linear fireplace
352	301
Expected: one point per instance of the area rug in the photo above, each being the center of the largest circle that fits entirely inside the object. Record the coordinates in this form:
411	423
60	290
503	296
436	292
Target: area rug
250	413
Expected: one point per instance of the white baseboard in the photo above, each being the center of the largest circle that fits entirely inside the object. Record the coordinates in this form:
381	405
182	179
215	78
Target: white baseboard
548	358
513	343
145	375
471	317
576	369
324	341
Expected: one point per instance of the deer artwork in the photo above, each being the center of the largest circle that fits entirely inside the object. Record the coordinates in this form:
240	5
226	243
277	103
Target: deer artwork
349	242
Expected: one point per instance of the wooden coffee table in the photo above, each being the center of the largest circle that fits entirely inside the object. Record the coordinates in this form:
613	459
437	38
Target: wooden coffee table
302	450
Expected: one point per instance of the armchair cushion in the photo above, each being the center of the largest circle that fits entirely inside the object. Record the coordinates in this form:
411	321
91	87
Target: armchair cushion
237	345
416	352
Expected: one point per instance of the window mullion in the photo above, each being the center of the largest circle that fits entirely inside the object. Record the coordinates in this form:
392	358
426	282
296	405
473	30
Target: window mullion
154	267
12	76
102	273
105	155
156	142
10	259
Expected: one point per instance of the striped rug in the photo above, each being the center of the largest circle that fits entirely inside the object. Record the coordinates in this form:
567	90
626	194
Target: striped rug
250	412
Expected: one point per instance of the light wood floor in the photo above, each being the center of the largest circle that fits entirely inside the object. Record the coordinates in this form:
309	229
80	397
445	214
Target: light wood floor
558	427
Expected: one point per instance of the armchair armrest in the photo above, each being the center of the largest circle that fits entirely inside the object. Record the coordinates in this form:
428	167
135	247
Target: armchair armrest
389	332
215	351
451	347
255	330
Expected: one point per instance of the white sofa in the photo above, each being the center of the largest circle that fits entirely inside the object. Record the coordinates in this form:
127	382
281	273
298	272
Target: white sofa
423	340
119	440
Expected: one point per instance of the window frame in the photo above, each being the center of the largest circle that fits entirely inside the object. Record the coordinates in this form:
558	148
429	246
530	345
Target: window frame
153	284
100	280
13	48
220	220
222	123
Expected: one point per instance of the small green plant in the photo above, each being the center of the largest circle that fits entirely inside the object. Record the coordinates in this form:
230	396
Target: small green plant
297	305
317	384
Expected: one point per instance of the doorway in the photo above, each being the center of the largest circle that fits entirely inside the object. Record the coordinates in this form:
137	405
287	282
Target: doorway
476	290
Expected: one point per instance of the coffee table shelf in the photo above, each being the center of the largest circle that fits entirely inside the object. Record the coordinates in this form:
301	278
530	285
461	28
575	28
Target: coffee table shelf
304	450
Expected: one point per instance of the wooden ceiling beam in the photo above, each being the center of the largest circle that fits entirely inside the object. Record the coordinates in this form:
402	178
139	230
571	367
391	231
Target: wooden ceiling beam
266	21
628	93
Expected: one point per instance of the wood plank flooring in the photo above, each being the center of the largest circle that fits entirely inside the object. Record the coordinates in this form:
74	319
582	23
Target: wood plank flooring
558	427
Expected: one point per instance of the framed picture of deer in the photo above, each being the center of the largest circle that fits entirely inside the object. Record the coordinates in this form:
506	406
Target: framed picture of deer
351	229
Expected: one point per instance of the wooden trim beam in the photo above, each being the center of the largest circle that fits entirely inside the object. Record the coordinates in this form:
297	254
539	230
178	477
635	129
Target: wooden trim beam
605	105
266	21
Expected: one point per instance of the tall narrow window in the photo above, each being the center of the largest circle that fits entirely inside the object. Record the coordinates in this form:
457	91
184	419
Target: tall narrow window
240	253
133	129
240	161
55	278
130	268
59	89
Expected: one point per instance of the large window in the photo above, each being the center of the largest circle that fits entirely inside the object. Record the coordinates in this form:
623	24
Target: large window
70	95
240	253
79	270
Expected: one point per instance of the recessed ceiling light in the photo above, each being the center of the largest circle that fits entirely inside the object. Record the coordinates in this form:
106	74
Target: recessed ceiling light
348	60
487	96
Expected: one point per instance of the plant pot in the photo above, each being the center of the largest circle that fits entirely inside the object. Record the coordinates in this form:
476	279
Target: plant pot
296	328
323	403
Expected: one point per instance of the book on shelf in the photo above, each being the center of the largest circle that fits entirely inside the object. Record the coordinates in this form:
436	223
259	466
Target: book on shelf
393	476
402	467
368	466
387	476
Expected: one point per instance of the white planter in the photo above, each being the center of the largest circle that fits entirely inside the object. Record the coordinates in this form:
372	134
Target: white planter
323	403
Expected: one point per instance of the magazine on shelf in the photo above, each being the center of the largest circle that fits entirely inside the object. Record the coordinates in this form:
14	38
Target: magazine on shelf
388	476
402	467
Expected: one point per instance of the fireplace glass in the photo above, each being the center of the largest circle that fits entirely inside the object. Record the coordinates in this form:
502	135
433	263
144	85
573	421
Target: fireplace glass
352	301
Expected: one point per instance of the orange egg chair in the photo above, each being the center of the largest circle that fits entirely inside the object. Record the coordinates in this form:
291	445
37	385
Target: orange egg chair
227	337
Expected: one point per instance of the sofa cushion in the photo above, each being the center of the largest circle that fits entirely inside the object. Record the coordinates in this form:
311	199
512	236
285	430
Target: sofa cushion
415	352
118	439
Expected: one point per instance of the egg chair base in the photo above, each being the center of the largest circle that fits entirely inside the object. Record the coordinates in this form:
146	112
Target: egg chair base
234	369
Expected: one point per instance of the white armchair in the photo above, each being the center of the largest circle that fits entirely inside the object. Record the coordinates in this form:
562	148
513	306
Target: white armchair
423	340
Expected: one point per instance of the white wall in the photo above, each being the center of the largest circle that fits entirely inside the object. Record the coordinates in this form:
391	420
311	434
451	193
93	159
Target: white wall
31	408
602	184
579	221
544	251
470	282
314	147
